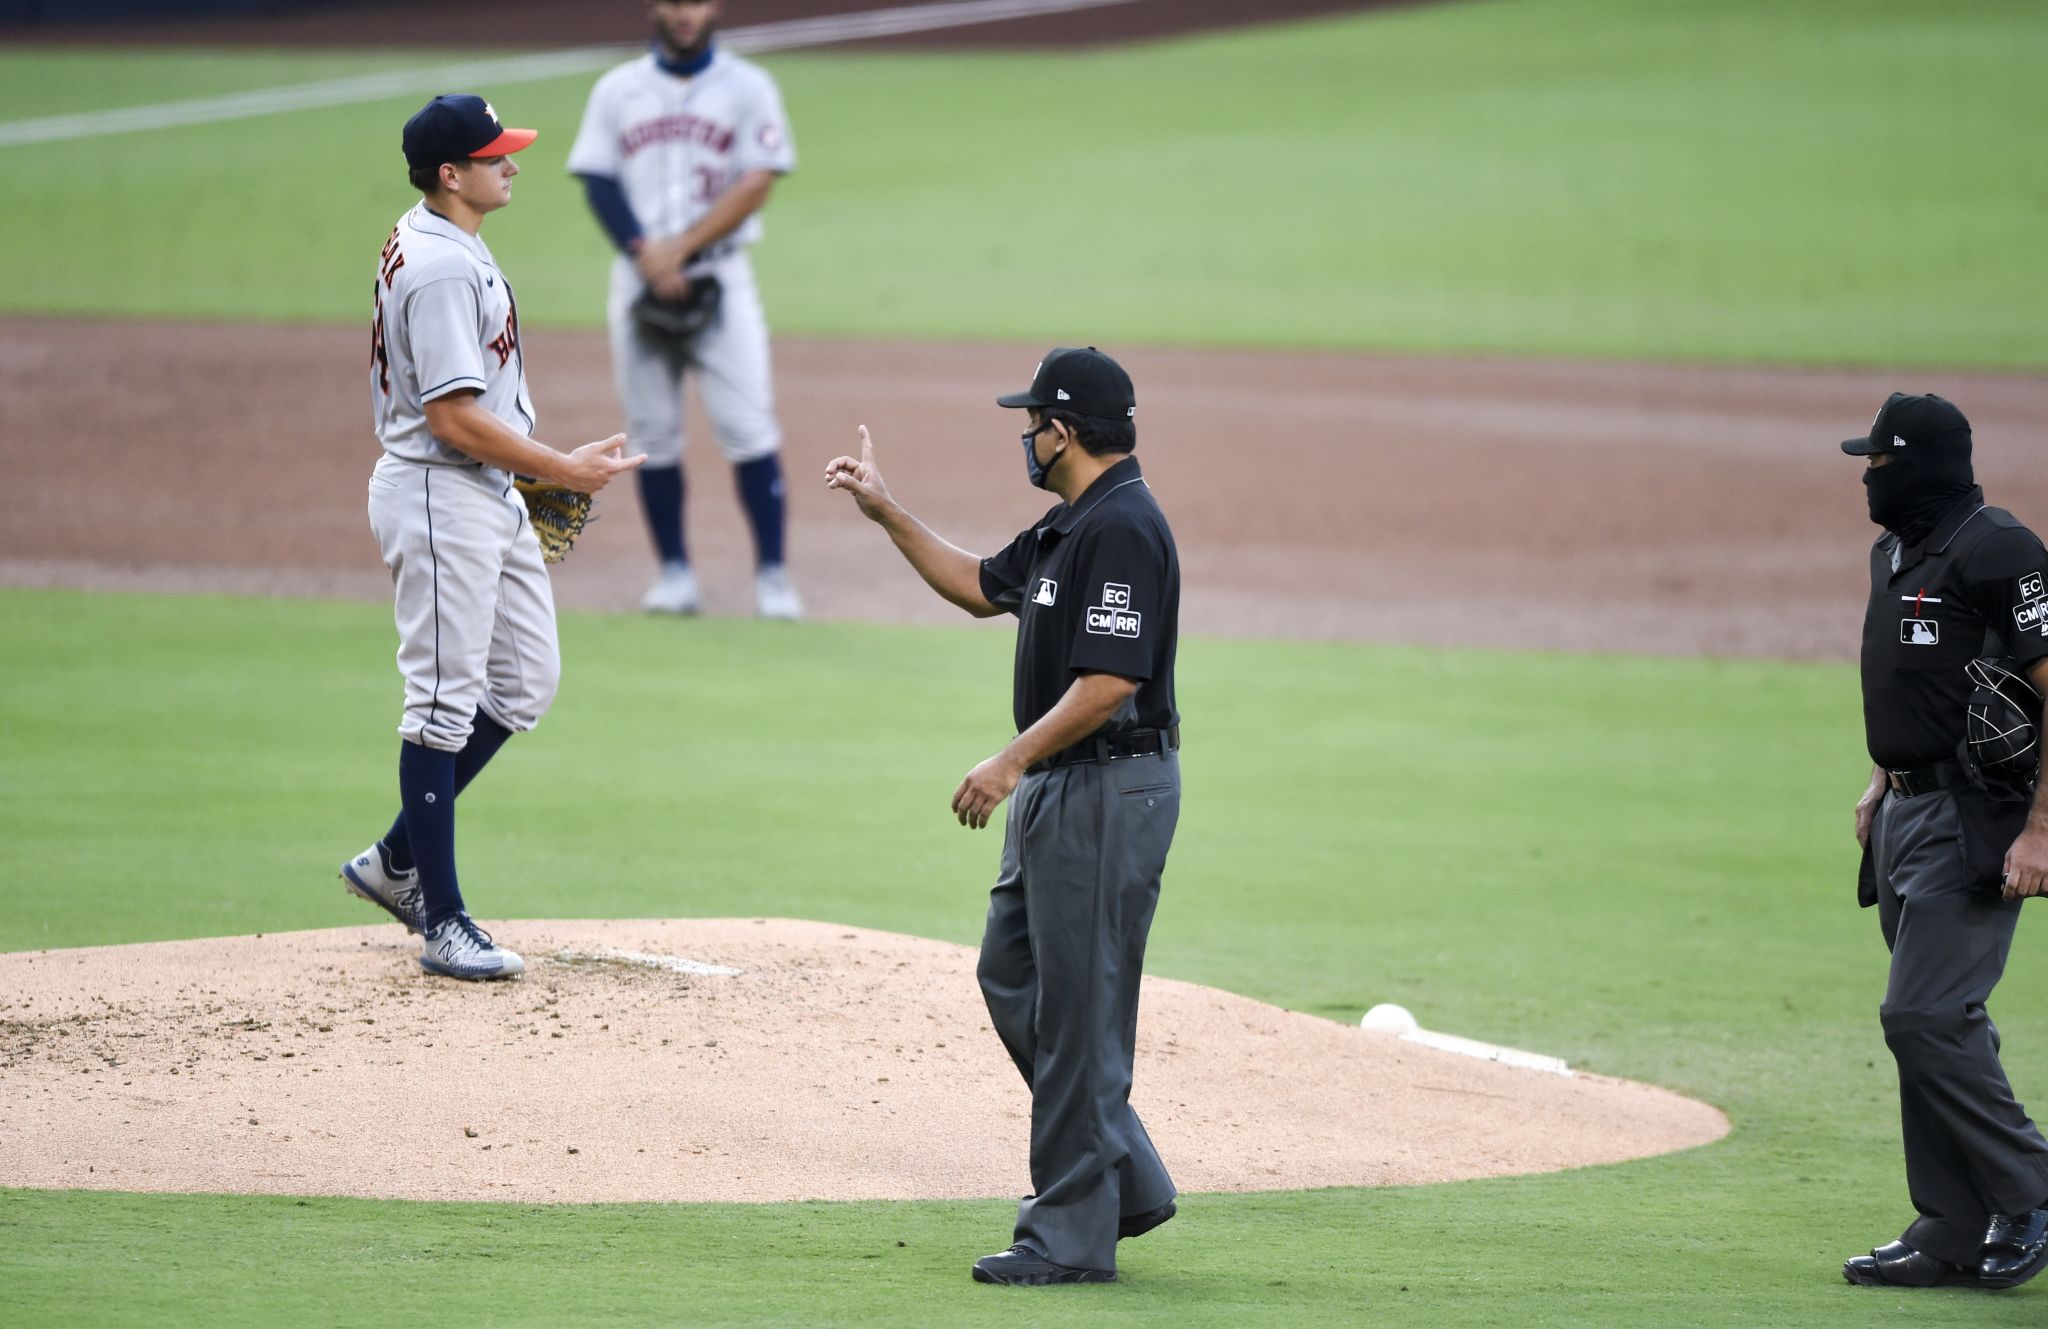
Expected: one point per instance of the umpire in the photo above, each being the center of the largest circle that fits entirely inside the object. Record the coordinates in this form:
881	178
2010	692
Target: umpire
1953	838
1095	585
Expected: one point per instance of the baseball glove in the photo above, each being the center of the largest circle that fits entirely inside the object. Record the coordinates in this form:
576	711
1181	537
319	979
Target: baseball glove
674	324
558	513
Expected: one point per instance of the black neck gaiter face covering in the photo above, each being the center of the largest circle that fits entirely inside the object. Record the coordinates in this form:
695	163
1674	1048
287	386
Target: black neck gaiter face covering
1908	495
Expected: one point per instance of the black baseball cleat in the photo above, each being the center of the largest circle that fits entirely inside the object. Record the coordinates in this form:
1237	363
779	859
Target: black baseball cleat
2015	1249
1899	1265
1137	1225
1020	1266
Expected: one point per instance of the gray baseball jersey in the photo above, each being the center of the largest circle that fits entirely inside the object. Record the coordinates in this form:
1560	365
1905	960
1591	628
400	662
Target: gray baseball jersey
675	144
445	321
475	612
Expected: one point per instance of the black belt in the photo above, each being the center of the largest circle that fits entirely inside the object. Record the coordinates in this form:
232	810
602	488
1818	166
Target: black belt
1112	747
1925	779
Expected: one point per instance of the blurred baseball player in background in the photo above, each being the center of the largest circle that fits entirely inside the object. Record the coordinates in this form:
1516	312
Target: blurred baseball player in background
476	617
678	153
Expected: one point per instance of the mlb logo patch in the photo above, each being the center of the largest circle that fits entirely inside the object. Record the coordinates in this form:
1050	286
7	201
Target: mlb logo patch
1920	632
1048	592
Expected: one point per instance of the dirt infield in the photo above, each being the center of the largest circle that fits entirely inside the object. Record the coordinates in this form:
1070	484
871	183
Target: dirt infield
837	1063
547	24
1579	507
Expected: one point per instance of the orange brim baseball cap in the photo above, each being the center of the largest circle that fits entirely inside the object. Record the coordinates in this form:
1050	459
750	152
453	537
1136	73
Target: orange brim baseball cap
456	126
512	140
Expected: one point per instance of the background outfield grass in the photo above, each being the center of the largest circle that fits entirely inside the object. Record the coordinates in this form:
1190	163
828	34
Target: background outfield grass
1640	864
1789	180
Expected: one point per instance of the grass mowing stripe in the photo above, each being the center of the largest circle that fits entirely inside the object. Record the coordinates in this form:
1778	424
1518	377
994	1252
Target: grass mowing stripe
1574	177
1641	864
513	69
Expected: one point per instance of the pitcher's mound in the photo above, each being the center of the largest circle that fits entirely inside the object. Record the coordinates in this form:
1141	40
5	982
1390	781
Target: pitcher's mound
629	1064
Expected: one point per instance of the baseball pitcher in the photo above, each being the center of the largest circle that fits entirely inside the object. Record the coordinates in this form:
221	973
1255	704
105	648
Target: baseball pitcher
475	614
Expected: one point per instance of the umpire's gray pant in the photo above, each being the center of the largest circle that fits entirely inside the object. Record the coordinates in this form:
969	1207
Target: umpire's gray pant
1060	961
1971	1151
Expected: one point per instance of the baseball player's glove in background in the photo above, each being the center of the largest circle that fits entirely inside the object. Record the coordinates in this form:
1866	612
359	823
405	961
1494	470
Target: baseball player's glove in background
558	513
676	323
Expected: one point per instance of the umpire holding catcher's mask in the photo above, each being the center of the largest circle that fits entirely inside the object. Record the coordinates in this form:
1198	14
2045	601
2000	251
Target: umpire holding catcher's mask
1954	836
1095	585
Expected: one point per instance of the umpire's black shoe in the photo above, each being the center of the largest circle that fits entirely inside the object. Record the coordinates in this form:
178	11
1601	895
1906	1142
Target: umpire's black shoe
1899	1265
2015	1249
1020	1266
1137	1225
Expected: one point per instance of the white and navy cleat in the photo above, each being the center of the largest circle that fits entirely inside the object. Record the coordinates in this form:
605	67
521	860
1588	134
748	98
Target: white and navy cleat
369	876
458	948
775	594
673	591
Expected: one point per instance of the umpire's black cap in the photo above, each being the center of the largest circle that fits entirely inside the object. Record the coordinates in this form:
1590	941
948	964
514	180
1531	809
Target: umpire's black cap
1084	381
1908	421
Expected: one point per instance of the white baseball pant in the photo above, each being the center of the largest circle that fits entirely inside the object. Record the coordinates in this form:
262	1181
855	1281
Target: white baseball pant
730	358
475	611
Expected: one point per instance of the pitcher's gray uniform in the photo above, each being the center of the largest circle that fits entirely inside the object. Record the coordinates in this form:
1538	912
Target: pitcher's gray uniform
476	619
475	613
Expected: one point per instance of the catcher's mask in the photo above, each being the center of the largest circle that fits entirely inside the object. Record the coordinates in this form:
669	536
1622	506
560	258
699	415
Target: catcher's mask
2003	722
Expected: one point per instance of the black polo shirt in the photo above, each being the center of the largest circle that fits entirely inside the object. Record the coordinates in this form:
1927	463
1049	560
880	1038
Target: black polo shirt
1976	586
1095	586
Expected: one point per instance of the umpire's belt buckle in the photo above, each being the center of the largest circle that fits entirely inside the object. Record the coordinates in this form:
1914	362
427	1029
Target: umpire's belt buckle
1924	780
1107	748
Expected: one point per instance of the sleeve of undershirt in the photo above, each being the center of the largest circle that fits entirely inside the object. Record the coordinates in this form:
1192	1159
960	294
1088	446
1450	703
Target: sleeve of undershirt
607	199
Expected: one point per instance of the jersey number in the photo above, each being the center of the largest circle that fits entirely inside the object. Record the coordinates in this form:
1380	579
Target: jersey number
707	183
388	265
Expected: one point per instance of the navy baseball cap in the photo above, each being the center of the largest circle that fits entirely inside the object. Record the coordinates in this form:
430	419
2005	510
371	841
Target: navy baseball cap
1084	381
1908	421
456	126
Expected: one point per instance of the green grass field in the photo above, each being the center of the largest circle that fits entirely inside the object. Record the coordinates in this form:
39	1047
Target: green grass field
1850	181
1643	865
1640	864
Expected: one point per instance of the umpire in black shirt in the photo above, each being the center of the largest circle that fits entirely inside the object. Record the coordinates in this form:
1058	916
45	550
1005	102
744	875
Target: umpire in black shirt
1095	585
1953	839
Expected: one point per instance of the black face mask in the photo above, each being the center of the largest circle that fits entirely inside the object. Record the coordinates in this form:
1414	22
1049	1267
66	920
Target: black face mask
1907	495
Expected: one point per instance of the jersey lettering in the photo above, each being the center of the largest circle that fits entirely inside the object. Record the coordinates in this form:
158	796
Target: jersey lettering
388	264
507	341
677	129
391	260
